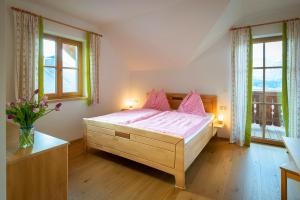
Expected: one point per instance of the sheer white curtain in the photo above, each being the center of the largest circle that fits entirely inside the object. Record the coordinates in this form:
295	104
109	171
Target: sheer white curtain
94	49
293	76
26	34
239	62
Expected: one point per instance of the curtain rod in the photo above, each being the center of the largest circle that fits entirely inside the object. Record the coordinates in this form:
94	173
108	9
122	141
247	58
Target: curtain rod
55	21
262	24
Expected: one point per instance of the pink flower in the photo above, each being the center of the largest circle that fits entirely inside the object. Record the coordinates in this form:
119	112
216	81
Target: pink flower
44	98
10	116
57	107
36	91
35	110
44	101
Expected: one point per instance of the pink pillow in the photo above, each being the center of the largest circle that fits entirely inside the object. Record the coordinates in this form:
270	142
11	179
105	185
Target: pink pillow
150	103
192	104
184	101
162	102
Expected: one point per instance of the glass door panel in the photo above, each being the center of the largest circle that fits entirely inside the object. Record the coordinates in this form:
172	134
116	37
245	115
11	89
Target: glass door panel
273	54
273	80
258	59
258	82
267	117
257	125
274	122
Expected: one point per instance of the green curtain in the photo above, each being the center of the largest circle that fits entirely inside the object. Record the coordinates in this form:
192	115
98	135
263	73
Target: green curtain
285	107
88	70
249	95
40	60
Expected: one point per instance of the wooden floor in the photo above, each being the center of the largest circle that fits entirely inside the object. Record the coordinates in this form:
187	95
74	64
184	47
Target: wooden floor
221	171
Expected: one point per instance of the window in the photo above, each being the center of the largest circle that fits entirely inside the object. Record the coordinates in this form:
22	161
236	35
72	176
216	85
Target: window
267	117
62	67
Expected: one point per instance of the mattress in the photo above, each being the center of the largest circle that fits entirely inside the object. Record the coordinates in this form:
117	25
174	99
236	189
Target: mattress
174	123
126	117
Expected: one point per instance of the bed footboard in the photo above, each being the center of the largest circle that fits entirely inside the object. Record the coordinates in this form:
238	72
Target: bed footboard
160	151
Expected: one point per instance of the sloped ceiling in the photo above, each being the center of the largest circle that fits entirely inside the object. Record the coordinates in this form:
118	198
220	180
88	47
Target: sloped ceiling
167	38
159	34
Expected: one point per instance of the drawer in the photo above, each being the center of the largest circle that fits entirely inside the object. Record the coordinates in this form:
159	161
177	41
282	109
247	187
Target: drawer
127	143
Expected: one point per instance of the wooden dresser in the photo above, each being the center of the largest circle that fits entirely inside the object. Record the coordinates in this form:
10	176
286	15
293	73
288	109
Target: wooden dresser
39	172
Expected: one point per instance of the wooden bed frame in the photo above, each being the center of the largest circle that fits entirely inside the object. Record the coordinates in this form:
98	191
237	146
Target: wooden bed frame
164	152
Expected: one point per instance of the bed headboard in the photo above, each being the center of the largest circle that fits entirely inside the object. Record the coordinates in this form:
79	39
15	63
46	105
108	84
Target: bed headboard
209	101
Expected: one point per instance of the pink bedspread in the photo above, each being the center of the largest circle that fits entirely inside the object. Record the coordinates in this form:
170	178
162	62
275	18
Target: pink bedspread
175	123
127	117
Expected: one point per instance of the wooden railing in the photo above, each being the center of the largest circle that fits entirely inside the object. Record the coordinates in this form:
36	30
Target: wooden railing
273	108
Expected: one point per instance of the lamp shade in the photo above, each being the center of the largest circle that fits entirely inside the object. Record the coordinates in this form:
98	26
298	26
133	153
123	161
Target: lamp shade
220	118
130	103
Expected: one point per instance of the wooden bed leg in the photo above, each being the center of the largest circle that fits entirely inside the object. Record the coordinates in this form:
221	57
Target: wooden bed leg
180	180
179	166
85	147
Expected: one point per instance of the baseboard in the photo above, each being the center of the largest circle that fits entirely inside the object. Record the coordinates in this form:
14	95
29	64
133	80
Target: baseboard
76	148
264	141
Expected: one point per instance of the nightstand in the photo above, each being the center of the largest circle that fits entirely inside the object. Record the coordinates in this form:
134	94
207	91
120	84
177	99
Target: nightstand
216	126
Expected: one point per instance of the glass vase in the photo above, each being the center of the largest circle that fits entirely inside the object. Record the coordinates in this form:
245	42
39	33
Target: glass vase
26	137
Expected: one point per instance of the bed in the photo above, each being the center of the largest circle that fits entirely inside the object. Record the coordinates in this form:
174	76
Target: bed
151	138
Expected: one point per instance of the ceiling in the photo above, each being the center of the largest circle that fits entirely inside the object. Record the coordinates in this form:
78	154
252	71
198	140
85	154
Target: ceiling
157	34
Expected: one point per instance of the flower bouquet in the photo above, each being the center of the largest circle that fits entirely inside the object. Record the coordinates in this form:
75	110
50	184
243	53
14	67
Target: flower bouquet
25	112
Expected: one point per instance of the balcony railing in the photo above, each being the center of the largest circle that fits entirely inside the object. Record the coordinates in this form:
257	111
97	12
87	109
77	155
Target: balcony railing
267	114
273	108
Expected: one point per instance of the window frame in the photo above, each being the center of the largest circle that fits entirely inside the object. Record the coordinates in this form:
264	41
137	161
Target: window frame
59	68
264	102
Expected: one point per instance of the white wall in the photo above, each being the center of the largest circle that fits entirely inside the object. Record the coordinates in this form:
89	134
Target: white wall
67	124
2	106
208	74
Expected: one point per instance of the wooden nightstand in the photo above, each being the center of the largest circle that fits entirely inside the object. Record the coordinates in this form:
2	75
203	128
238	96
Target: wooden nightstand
216	126
39	172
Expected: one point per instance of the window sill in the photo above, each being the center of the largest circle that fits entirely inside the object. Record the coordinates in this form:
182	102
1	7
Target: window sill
67	99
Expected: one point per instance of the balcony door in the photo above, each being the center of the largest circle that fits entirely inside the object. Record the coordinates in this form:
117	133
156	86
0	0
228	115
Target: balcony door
267	115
